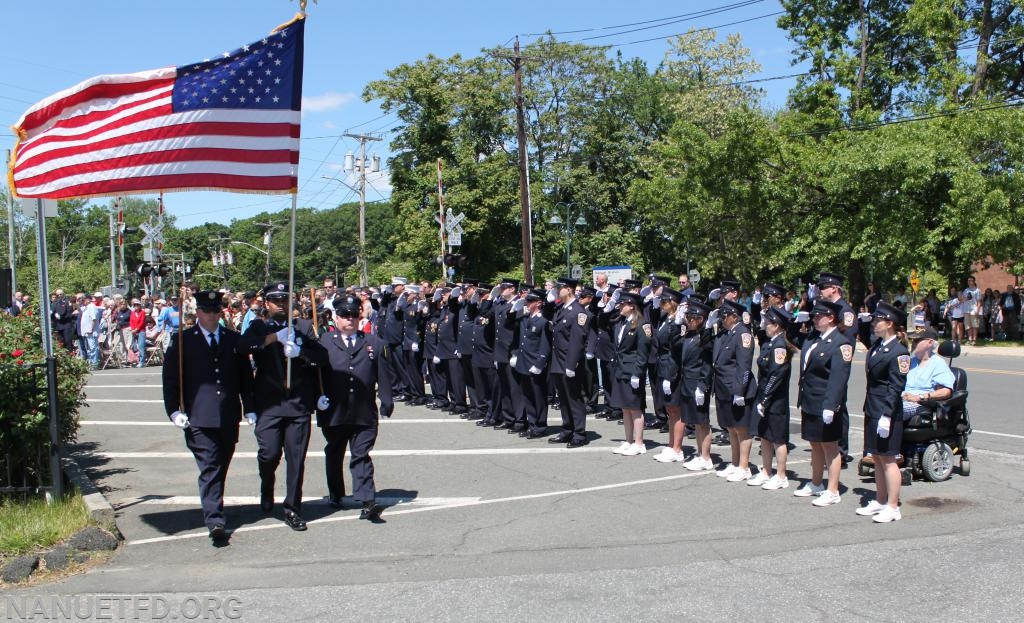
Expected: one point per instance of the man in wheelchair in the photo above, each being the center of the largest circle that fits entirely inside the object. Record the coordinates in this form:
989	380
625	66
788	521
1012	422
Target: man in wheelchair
929	381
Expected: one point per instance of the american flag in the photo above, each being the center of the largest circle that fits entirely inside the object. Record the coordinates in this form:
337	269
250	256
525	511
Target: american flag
230	123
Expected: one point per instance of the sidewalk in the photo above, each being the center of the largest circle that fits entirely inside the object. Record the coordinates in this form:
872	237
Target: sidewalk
991	350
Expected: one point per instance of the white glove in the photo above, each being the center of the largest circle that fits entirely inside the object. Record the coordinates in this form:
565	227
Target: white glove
864	317
495	365
285	335
715	294
457	354
698	396
534	370
739	401
826	416
552	295
613	300
518	306
712	319
760	409
680	316
495	292
436	360
437	295
291	350
180	419
456	292
475	299
570	374
590	355
323	403
884	423
666	386
634	382
250	418
512	360
802	316
415	347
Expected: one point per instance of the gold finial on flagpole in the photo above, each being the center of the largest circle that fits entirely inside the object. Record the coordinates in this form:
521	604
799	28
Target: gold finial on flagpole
302	5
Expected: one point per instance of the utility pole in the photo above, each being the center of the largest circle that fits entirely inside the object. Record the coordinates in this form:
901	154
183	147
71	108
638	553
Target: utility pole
364	270
10	234
525	212
268	238
113	254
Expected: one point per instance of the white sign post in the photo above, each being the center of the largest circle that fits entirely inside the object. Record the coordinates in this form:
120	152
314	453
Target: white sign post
694	275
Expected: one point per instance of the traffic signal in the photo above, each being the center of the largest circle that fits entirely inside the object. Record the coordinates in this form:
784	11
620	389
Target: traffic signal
144	270
163	270
457	260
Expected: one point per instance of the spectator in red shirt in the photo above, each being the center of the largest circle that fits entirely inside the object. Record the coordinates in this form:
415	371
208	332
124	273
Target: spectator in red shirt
137	325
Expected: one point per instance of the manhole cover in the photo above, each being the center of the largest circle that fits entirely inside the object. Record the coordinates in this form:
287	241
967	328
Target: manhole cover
935	502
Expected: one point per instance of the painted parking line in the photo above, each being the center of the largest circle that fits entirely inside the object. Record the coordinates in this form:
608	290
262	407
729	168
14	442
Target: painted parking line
95	386
375	453
252	500
169	423
973	430
123	401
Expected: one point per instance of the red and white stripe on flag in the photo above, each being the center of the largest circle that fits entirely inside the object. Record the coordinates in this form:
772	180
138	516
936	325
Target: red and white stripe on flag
139	133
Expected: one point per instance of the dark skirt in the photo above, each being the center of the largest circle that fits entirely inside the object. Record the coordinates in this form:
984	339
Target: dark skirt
732	416
813	428
625	397
690	413
890	446
773	427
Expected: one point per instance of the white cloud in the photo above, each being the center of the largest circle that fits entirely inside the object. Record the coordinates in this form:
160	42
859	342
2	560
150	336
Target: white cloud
327	101
329	125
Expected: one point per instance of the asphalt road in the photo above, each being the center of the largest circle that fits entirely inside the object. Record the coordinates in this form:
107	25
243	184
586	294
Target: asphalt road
484	525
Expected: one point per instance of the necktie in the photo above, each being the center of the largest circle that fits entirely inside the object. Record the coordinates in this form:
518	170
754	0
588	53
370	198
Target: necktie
351	342
213	341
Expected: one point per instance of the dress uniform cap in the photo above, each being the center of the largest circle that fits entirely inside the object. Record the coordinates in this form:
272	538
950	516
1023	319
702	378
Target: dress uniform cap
277	289
471	282
827	308
449	285
696	296
774	289
696	307
632	299
413	289
484	286
732	307
631	284
536	294
209	300
729	286
348	305
509	282
829	279
569	283
885	311
662	279
523	287
588	291
249	294
668	293
399	281
924	334
777	316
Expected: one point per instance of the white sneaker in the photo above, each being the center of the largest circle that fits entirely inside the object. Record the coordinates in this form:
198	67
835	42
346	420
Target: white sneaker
699	464
622	447
887	514
725	473
827	498
738	475
871	508
668	455
776	483
758	480
634	449
808	489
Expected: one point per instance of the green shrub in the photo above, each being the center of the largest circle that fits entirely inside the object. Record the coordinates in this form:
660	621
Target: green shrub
24	427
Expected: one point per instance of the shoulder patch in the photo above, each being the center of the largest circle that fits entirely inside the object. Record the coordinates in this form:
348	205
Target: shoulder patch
847	352
647	330
746	340
581	319
848	319
746	318
904	361
780	356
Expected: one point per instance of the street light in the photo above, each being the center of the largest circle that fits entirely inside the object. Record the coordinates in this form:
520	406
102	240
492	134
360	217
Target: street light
568	227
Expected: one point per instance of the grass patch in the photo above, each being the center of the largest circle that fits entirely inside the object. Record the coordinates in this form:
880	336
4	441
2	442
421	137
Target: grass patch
28	526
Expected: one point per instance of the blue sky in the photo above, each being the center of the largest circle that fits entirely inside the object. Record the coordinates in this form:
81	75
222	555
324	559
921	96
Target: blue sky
348	44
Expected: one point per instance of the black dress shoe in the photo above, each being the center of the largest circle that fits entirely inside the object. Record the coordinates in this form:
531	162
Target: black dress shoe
416	402
371	512
459	410
486	422
664	428
218	533
502	426
576	443
559	439
518	428
435	405
400	398
294	521
536	433
335	502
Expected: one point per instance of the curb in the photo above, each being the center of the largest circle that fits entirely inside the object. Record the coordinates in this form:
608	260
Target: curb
98	506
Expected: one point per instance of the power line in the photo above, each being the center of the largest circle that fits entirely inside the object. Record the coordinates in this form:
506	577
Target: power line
911	119
662	21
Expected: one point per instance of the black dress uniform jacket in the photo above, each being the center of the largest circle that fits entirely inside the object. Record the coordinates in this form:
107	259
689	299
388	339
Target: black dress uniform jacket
570	330
506	330
773	371
887	366
825	371
534	344
216	384
269	394
353	380
696	370
733	357
668	338
483	336
632	351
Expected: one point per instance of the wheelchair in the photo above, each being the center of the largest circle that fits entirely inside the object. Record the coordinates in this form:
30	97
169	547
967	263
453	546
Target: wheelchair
937	434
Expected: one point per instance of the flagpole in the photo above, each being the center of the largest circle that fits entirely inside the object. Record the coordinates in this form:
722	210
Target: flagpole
291	290
181	349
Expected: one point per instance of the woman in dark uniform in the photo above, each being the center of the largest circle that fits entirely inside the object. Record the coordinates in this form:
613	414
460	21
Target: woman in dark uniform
772	401
631	338
693	395
887	364
667	336
824	373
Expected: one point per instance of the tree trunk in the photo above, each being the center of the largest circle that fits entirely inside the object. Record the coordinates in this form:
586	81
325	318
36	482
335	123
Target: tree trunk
865	34
988	24
855	283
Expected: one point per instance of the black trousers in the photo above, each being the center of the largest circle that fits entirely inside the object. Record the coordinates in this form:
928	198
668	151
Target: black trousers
511	396
466	362
275	434
535	399
399	376
213	449
590	384
606	382
844	436
413	364
360	440
438	382
573	407
486	382
452	369
657	396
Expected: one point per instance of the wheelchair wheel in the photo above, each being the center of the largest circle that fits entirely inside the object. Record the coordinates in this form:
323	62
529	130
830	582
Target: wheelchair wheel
937	461
965	467
863	469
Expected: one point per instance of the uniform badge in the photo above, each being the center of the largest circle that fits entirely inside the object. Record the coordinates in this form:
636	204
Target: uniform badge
484	320
746	340
746	318
298	341
847	352
369	352
904	361
647	330
581	319
433	327
848	319
780	356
